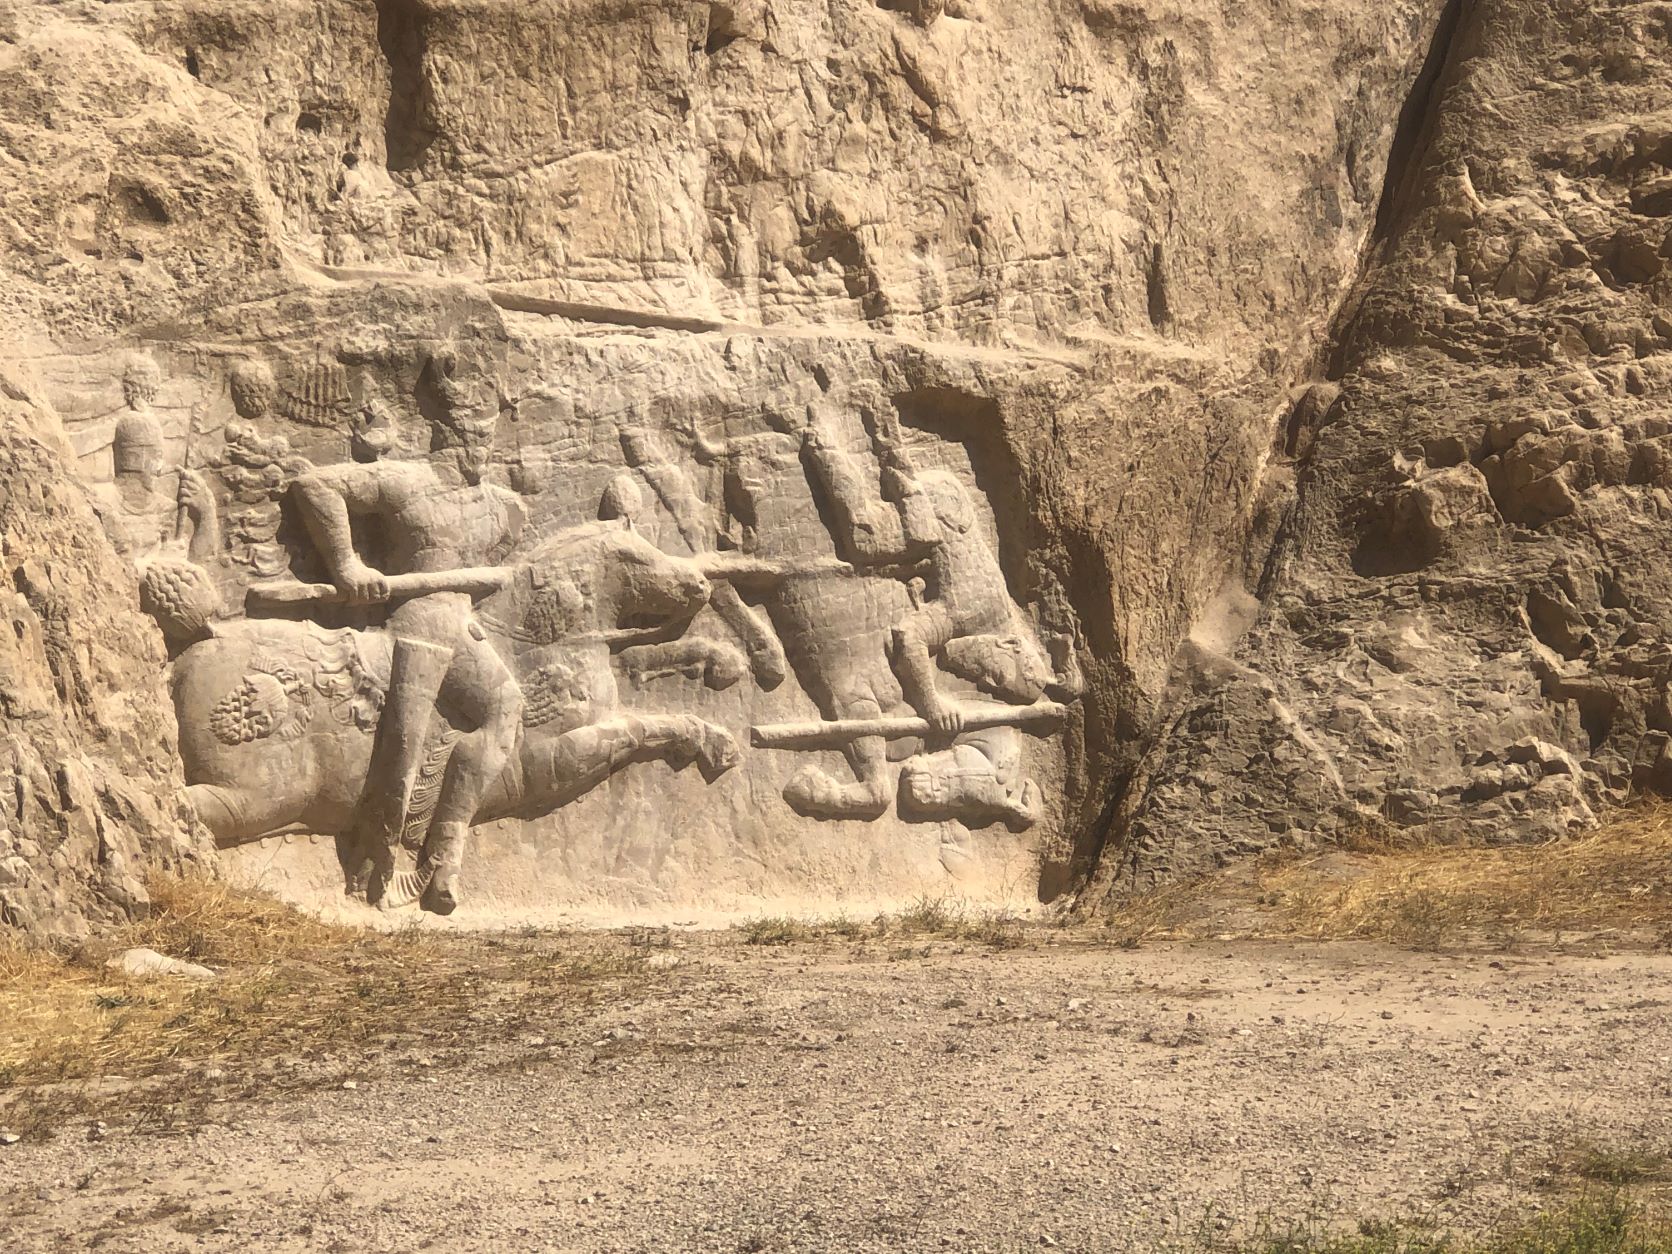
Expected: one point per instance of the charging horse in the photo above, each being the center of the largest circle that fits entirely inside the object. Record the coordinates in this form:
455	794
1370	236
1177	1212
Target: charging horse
277	716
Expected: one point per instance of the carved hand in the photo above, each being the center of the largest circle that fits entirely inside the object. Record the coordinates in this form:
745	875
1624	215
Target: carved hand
194	496
944	717
360	583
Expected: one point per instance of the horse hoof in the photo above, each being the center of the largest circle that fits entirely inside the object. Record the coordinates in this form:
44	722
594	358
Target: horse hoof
438	898
770	670
718	752
813	793
1026	809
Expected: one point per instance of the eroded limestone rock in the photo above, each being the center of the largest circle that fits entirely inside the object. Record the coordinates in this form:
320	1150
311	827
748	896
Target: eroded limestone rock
503	407
1466	605
90	753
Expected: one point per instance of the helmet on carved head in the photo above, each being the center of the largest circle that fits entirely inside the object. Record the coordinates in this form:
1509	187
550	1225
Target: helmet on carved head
622	498
142	379
137	447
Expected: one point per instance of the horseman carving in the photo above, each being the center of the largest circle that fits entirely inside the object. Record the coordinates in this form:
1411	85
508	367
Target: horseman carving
453	671
278	717
488	691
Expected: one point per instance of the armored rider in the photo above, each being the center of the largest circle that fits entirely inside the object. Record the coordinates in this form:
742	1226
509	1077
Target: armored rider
432	515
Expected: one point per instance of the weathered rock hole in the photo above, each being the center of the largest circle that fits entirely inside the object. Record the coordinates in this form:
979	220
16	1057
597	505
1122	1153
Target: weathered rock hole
1380	553
922	12
1557	626
401	35
724	29
1160	312
1403	157
1614	594
312	122
1596	717
143	205
192	66
858	278
1629	258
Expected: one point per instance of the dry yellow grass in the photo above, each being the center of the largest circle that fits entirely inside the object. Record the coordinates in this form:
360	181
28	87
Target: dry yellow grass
293	986
290	986
1171	912
941	917
1617	878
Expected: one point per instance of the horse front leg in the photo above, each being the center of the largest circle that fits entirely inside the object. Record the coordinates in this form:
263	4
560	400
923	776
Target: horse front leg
581	759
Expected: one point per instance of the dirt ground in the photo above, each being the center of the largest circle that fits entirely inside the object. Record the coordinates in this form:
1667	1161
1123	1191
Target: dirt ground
833	1096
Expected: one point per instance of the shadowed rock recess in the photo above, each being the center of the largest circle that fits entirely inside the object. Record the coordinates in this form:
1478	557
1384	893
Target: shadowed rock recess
656	458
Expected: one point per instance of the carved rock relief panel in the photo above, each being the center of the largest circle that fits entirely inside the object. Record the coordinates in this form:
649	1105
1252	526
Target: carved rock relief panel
688	623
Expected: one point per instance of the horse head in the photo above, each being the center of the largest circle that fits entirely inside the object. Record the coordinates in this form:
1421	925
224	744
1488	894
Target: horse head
646	586
596	579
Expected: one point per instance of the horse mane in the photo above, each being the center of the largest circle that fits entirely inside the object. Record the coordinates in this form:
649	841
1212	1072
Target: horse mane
563	543
543	613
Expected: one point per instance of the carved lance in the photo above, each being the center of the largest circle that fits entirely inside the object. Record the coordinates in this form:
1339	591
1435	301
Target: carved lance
824	733
478	581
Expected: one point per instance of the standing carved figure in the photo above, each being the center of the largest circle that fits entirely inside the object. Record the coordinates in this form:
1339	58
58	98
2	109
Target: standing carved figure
433	516
141	519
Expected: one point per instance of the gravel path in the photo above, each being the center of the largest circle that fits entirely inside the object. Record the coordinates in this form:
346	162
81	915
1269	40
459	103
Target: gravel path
823	1098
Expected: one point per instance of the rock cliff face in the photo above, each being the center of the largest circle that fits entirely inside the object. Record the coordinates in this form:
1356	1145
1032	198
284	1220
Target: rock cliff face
843	364
1463	620
92	772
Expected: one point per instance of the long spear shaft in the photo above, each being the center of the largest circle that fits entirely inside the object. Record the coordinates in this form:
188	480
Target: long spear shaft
476	580
1035	719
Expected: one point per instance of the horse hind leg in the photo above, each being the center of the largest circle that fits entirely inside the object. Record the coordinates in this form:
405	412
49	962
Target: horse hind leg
681	739
237	816
584	757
